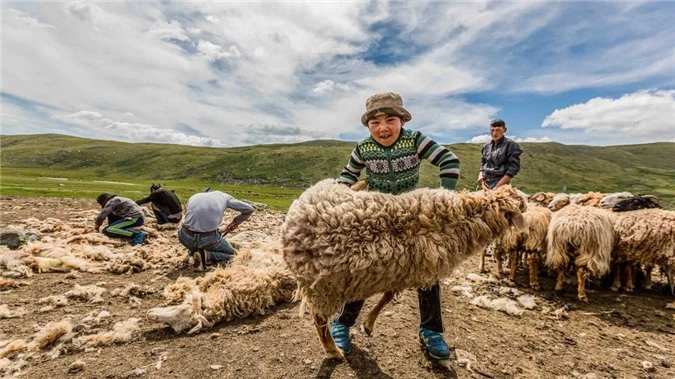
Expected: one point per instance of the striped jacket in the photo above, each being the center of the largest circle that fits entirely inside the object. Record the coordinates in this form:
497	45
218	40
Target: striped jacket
396	169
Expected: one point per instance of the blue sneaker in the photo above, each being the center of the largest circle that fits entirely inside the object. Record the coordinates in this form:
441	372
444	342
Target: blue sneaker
139	238
340	333
434	343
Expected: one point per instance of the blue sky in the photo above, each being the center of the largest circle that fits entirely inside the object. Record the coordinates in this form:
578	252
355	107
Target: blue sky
240	73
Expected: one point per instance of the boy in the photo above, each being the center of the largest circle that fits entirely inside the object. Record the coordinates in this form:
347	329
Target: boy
391	156
122	214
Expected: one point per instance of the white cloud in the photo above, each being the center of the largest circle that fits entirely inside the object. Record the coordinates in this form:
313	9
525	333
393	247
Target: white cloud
168	30
485	138
267	72
643	116
214	52
133	132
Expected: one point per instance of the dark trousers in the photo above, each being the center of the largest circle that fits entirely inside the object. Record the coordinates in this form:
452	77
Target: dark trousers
430	309
163	218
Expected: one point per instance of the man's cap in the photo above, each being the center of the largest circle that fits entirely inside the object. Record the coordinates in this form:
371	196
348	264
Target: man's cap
497	122
388	103
103	198
155	187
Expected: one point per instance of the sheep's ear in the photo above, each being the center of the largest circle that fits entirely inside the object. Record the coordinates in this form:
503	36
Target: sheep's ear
518	221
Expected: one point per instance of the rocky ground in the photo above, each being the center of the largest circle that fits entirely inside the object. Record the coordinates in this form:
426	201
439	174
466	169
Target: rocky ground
616	335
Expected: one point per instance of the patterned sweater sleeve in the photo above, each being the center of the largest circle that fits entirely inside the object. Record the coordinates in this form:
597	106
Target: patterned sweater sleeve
439	156
351	172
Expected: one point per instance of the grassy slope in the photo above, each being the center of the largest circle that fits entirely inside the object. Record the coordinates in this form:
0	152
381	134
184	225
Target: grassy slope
276	173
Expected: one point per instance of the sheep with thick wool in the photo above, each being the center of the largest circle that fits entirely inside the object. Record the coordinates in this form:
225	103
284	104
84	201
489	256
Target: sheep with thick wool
583	235
532	243
645	237
343	245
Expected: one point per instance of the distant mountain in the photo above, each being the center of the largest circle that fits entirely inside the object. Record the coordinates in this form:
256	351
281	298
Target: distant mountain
647	168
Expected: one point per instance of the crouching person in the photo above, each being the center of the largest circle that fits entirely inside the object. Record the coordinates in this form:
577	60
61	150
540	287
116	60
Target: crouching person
123	214
203	215
165	205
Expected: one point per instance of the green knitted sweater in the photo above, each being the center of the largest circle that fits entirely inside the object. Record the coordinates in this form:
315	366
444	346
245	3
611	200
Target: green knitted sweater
396	169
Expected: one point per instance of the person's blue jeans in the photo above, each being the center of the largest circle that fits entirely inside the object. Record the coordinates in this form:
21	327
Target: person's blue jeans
491	183
217	248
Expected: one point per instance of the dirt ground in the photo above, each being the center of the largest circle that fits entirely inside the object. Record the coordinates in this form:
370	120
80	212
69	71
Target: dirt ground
616	335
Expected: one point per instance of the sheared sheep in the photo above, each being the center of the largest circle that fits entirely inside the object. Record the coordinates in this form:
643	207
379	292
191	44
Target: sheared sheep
344	245
584	235
252	282
646	237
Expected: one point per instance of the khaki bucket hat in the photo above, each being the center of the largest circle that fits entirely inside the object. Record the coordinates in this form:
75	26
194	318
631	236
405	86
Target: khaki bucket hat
389	103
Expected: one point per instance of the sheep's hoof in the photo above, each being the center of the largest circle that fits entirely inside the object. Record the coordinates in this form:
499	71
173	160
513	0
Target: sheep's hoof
648	287
628	289
535	286
368	328
583	299
614	288
337	355
558	289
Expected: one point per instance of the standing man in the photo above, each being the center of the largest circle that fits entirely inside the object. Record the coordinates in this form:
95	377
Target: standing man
165	204
203	216
500	158
391	157
123	214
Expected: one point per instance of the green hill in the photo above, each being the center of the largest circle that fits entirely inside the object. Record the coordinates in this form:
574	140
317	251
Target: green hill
59	165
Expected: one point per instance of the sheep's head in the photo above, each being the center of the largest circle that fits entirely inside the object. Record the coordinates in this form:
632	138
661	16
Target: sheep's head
512	204
610	200
541	198
559	201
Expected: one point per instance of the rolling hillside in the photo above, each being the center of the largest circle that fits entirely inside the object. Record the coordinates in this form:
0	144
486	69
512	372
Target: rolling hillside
645	168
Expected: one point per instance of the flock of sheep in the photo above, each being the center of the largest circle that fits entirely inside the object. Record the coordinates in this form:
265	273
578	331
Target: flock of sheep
337	245
344	245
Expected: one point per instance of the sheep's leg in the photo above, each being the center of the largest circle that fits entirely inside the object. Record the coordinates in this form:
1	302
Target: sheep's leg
533	263
560	281
524	259
616	284
481	265
513	265
321	324
629	278
582	274
648	276
499	255
670	274
369	324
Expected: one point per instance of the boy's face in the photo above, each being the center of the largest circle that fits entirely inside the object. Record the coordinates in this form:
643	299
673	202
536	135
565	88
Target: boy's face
385	129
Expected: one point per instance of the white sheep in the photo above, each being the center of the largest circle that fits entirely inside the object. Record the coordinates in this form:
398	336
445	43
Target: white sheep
344	245
252	282
584	236
646	237
532	243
